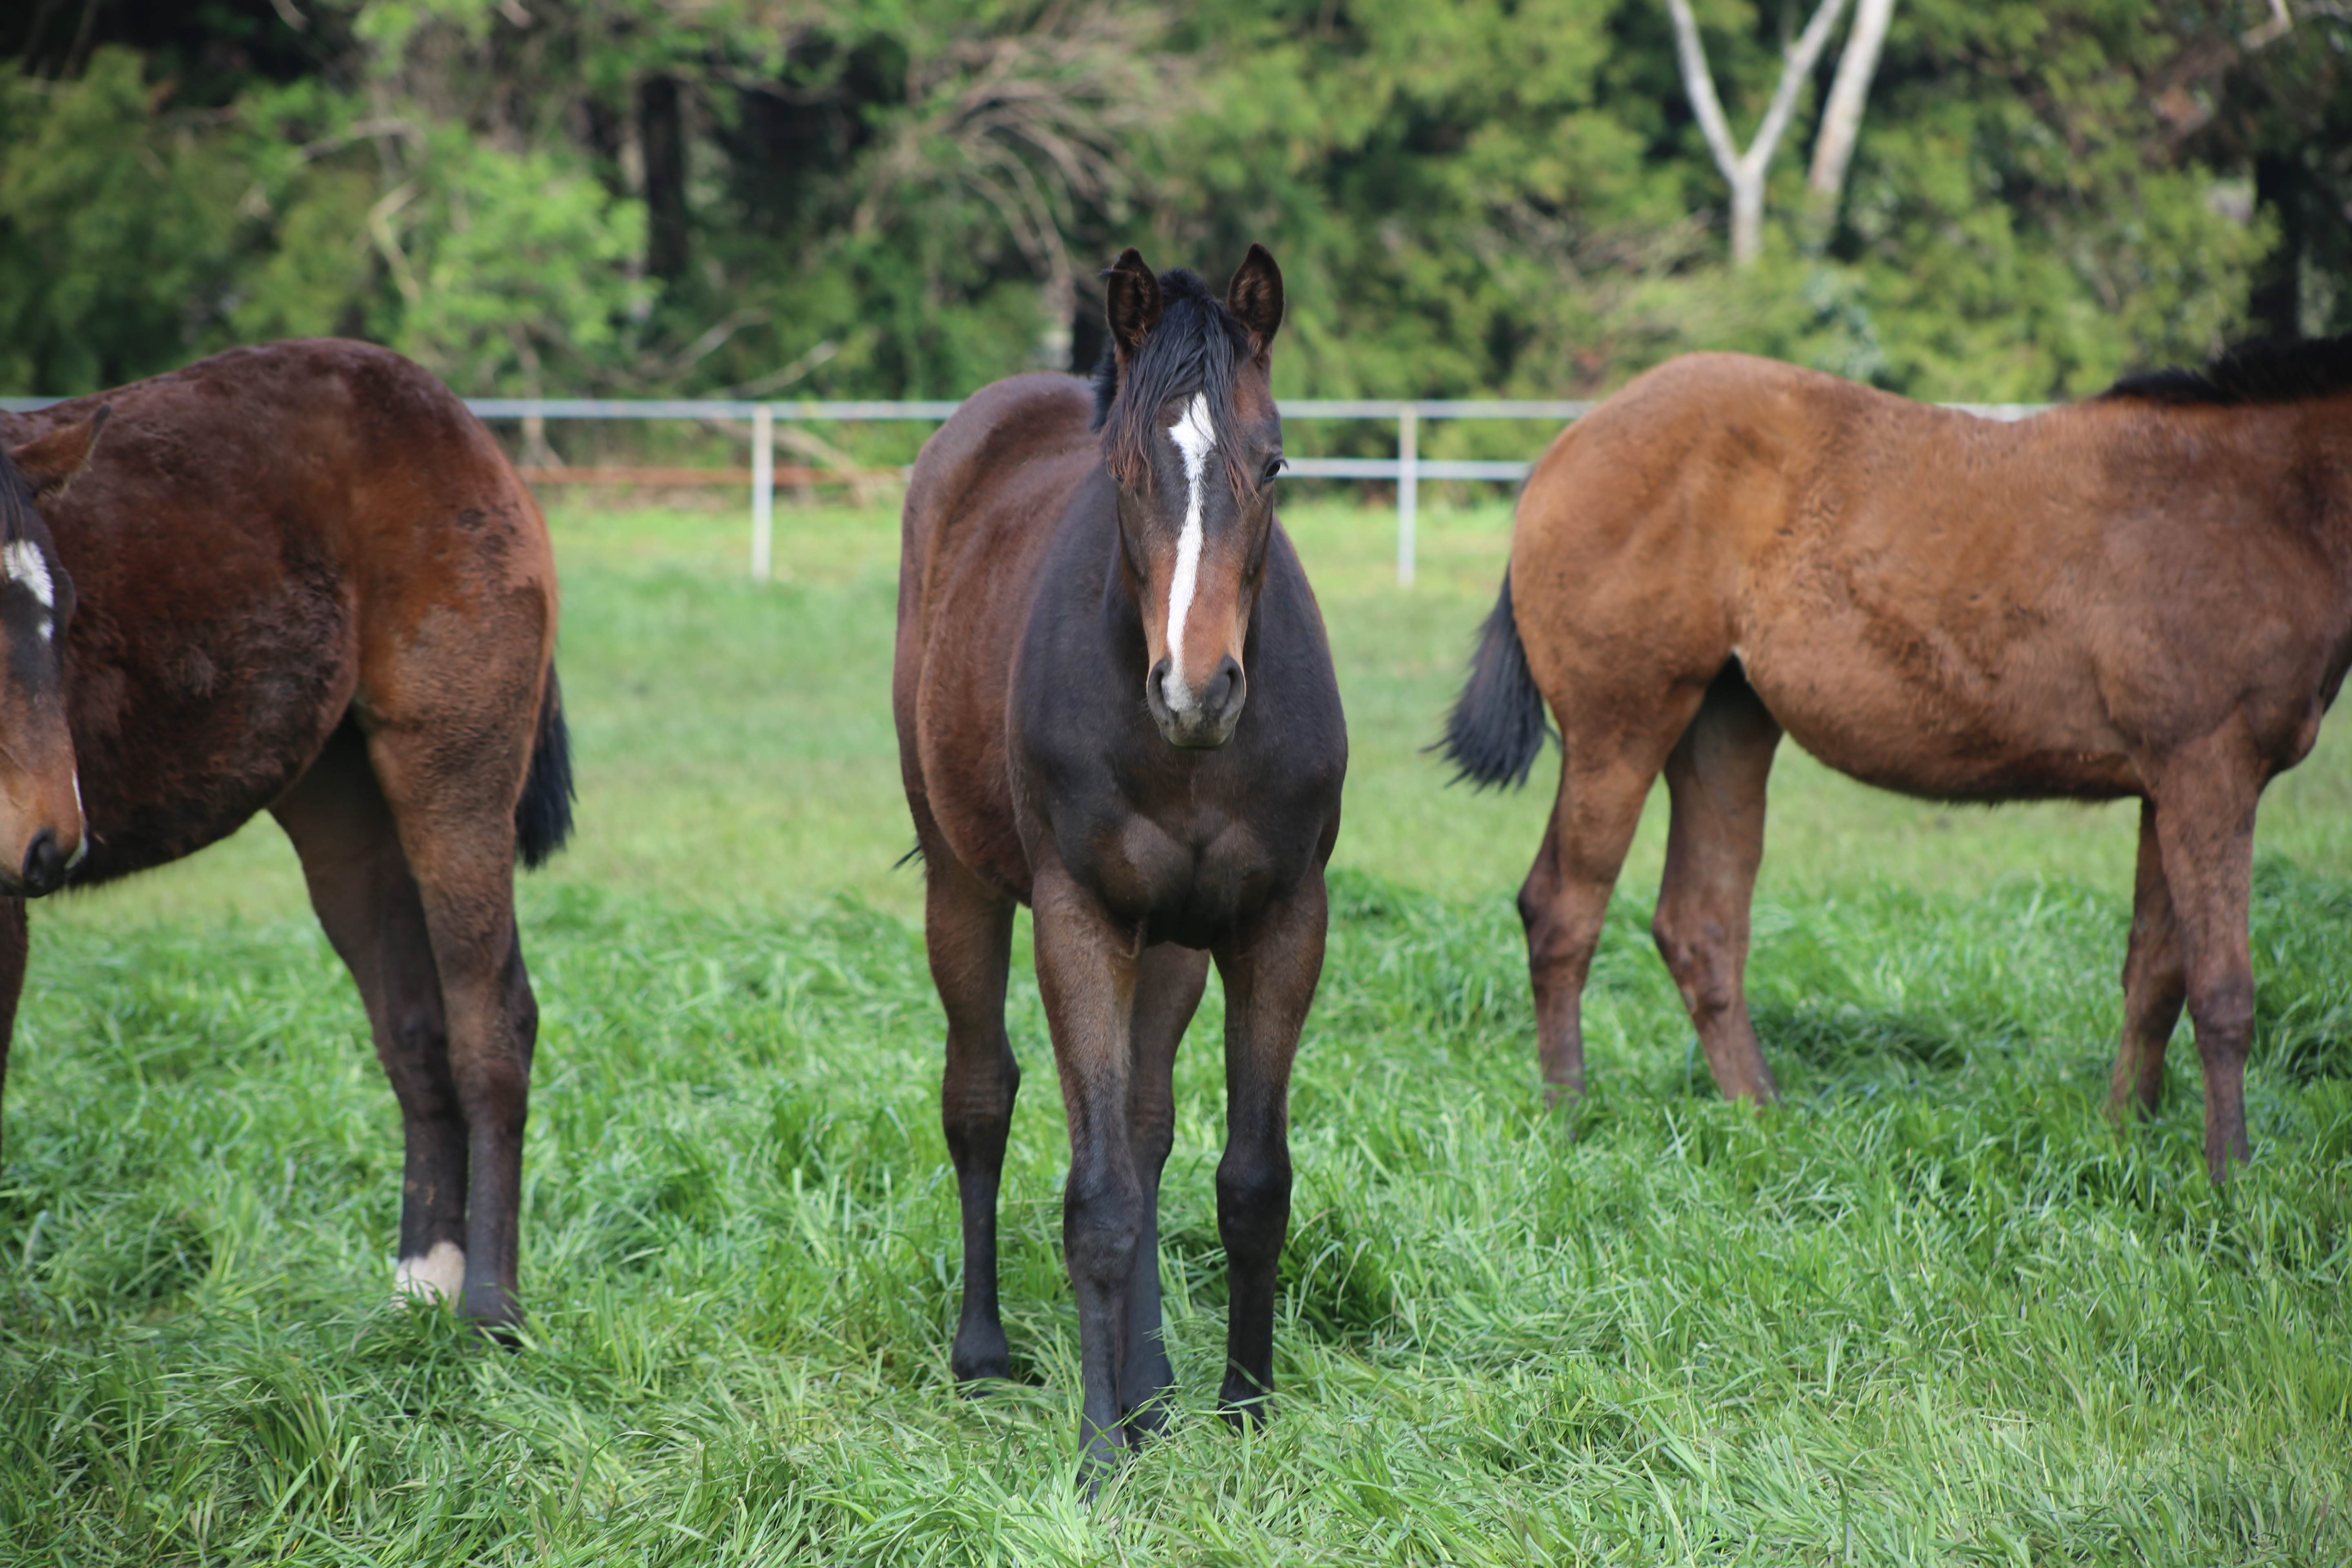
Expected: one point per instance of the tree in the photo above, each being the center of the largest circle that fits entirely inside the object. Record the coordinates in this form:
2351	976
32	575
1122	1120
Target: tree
1745	170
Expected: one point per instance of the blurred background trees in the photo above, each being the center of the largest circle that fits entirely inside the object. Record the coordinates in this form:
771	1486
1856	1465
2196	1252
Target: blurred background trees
912	197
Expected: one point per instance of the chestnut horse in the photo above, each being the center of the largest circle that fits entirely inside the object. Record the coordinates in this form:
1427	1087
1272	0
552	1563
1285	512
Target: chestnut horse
303	578
1116	705
2146	595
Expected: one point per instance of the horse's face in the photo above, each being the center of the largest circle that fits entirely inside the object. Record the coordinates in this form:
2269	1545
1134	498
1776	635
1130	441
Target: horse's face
42	835
1196	475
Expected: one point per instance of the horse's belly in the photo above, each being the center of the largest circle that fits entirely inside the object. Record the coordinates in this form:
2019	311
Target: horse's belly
1915	745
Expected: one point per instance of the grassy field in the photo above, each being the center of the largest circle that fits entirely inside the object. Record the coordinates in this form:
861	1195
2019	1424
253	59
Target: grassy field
1930	1310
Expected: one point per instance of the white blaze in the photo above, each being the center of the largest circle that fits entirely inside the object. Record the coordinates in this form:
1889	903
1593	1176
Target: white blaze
22	560
1196	440
440	1273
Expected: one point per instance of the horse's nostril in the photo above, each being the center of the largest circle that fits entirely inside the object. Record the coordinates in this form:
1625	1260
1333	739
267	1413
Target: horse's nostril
45	864
1224	688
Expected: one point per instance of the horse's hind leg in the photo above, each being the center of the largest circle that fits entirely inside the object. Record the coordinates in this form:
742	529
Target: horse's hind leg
1167	986
968	933
367	901
1603	780
1717	776
2204	808
2156	983
451	777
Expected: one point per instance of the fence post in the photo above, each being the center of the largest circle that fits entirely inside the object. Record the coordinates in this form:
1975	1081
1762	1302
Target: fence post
763	494
1408	488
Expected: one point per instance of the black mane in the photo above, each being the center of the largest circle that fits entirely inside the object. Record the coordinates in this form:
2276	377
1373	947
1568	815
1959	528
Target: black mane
2271	371
1195	346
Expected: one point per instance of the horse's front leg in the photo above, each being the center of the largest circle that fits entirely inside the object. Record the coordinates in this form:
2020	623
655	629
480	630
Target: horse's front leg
1087	965
14	942
1169	984
1270	969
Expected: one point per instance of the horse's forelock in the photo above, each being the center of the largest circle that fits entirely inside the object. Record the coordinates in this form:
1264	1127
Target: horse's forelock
1196	346
15	501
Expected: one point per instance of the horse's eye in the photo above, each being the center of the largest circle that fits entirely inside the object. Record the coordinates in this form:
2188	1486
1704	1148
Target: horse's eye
1272	469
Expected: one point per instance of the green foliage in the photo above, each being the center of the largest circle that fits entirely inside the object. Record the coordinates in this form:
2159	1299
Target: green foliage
912	198
117	229
508	255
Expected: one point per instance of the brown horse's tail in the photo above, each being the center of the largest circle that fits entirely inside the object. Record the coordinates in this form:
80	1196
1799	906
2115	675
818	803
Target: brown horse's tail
1497	723
544	815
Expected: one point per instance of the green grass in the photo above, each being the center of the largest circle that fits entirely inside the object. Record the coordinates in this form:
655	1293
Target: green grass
1932	1308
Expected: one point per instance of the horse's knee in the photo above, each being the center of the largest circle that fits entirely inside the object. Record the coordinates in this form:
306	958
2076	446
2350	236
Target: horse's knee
1253	1204
977	1093
493	1088
1102	1219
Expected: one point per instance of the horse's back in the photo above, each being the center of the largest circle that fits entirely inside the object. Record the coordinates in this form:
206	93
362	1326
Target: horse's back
982	506
265	542
1932	602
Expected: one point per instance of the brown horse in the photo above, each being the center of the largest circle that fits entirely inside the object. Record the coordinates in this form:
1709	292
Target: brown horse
2146	594
1116	705
303	578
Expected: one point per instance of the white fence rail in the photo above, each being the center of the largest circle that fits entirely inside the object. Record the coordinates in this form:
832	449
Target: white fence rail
1407	469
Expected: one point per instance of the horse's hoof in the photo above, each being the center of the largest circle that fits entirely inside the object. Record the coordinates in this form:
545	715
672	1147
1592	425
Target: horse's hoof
1148	1420
981	1360
1245	1402
1563	1096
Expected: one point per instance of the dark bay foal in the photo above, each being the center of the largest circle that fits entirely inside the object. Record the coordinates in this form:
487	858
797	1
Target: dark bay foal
303	579
1115	704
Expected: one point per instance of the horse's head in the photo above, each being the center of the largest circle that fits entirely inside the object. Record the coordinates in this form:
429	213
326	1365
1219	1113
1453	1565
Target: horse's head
42	835
1191	433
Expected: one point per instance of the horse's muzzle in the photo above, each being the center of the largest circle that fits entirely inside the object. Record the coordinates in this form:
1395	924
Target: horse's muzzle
1197	720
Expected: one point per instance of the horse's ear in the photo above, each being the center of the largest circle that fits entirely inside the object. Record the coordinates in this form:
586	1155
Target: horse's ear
51	462
1132	302
1254	295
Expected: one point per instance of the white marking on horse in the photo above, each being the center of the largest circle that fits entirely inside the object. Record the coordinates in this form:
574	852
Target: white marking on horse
439	1275
1196	440
81	850
23	561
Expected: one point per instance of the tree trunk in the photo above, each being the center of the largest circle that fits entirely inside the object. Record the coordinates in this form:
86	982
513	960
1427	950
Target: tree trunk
1745	171
1841	115
1747	214
661	135
2275	305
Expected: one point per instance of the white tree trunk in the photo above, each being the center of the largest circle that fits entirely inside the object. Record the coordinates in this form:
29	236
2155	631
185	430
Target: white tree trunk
1745	171
1841	115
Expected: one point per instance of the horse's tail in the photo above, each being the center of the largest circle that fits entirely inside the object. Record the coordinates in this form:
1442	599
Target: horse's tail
544	815
1498	724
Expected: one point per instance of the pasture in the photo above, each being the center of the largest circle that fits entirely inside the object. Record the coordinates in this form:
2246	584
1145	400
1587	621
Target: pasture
1932	1308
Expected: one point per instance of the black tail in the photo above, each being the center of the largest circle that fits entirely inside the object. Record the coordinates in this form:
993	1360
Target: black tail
544	815
1497	723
